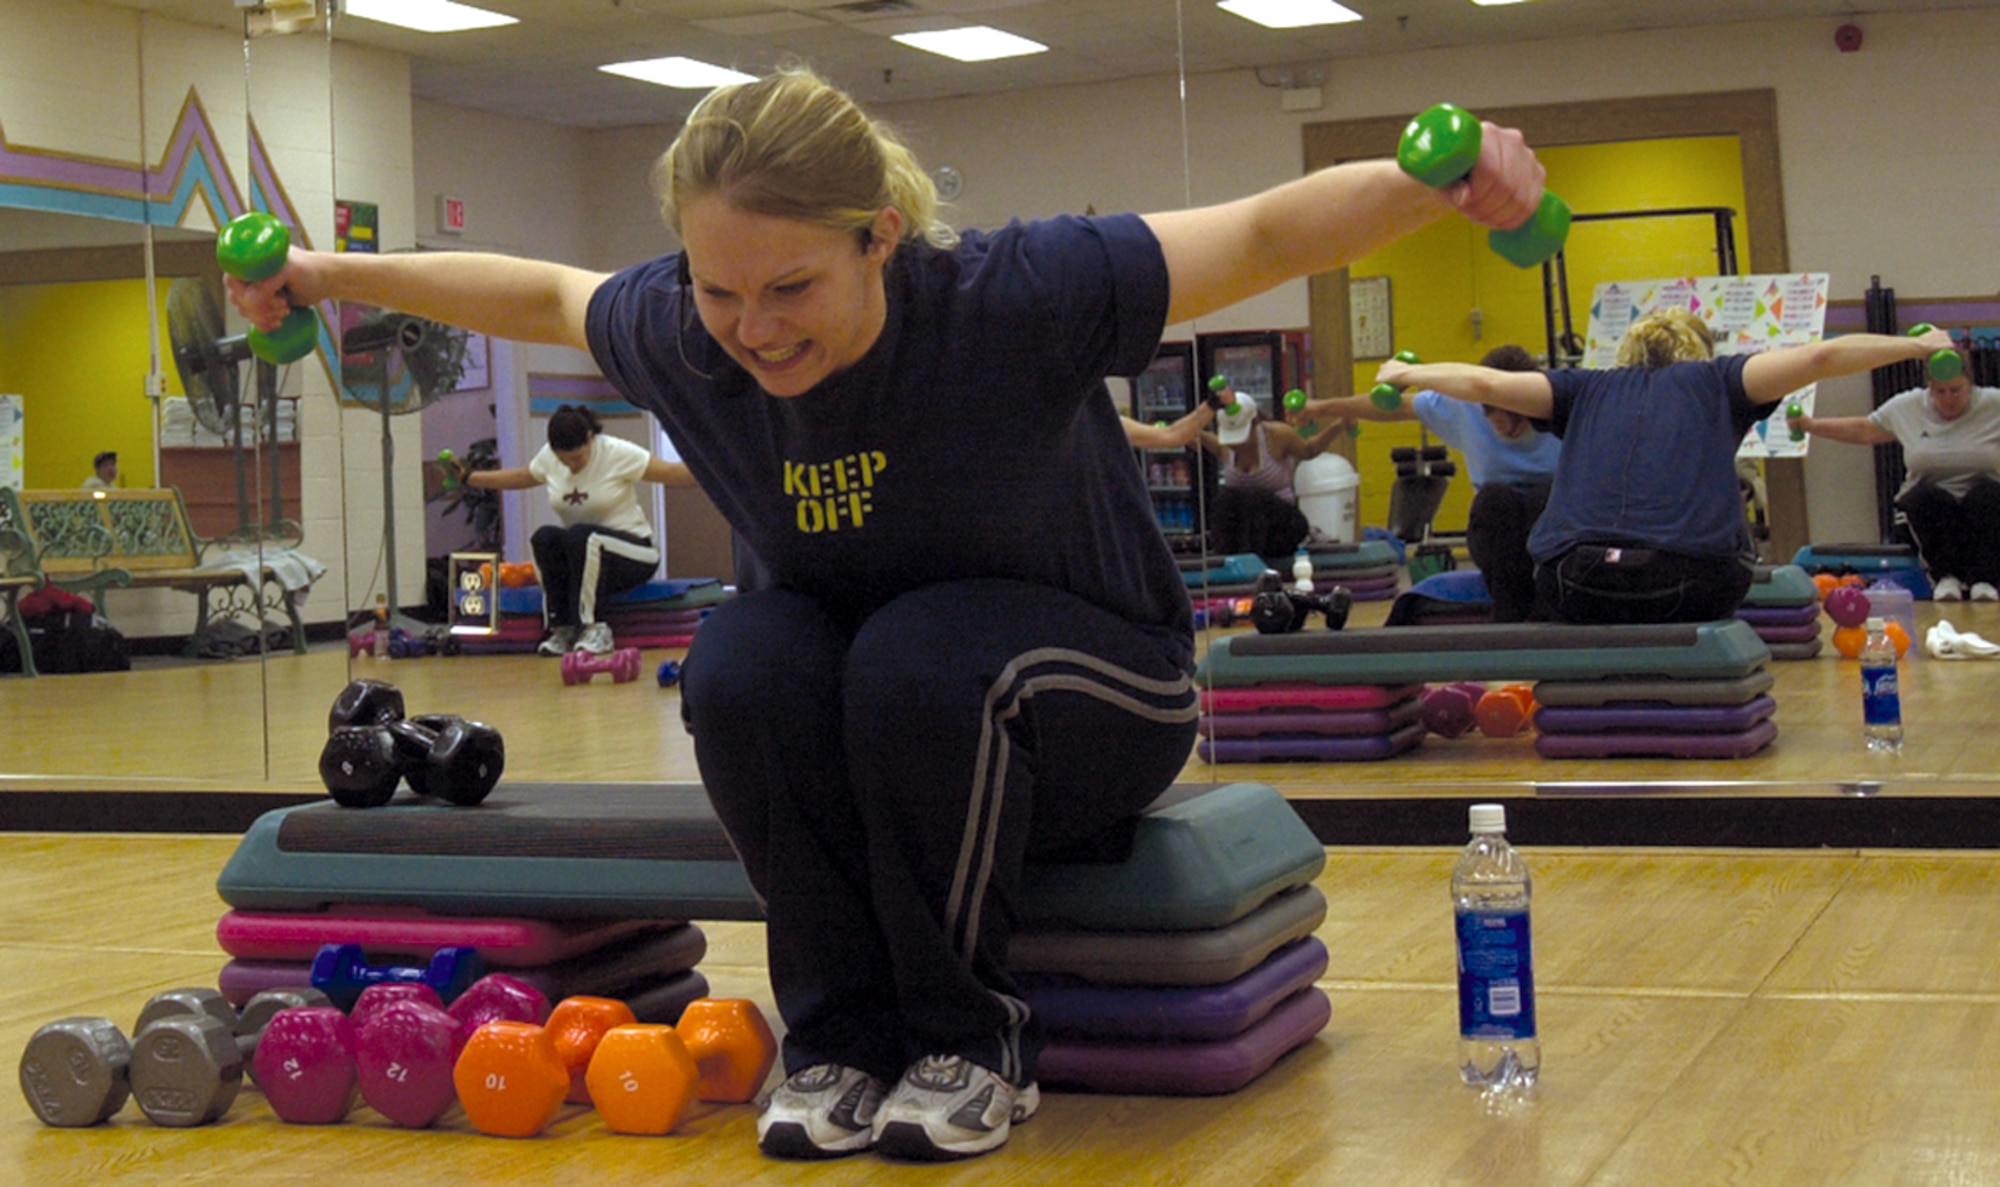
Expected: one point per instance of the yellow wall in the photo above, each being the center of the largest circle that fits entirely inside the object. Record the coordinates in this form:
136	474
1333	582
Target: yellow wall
77	354
1441	274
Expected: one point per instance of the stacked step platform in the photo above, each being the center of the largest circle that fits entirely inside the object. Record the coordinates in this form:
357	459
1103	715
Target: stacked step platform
1676	690
660	613
1875	562
1175	957
1369	571
1783	608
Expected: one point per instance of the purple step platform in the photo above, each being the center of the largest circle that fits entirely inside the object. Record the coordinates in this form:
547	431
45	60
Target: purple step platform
1311	749
1630	745
1365	722
1313	697
1761	616
1655	719
1157	1014
1804	632
1187	1069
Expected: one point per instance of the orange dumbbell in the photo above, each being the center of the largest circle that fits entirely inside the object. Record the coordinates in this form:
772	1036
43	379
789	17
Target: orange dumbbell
642	1079
731	1043
510	1080
576	1026
1505	711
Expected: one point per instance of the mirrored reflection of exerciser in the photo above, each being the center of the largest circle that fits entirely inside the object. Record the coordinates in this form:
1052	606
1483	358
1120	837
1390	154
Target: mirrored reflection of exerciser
474	579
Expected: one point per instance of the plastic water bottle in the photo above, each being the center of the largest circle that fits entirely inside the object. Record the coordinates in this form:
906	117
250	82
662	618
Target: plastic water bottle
1302	572
1881	691
1497	1045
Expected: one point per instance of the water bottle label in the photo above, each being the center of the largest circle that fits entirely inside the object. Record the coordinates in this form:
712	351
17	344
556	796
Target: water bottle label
1496	978
1881	700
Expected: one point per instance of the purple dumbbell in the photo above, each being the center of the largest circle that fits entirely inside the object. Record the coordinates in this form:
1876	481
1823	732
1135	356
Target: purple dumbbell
404	1054
579	666
1448	708
342	971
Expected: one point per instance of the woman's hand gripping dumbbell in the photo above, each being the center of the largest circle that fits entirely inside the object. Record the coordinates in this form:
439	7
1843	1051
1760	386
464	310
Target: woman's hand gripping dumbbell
252	249
1440	148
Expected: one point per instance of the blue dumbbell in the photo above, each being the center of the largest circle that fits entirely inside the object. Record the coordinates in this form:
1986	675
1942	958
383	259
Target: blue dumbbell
670	673
342	971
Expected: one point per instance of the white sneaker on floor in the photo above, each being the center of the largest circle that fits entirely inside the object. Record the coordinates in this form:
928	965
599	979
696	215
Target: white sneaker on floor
949	1107
595	639
560	640
1983	591
1948	589
825	1111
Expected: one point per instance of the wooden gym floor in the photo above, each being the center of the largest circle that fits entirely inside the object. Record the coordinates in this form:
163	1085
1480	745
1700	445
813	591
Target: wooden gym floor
1711	1015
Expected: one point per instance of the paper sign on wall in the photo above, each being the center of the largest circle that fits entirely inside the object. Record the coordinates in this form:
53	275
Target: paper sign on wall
13	442
1746	314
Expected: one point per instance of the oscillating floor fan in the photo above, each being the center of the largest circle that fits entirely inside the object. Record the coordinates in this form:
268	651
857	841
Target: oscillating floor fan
209	363
397	364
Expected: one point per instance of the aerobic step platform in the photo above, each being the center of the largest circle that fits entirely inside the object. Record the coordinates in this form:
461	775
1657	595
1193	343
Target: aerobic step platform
1202	855
1487	651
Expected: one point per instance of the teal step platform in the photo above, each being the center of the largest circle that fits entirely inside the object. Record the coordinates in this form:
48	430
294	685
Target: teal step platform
1877	562
1487	651
1781	585
1202	855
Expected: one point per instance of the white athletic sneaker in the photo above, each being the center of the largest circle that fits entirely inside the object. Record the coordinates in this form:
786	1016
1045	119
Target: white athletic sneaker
949	1107
560	640
1948	589
825	1111
1983	591
595	639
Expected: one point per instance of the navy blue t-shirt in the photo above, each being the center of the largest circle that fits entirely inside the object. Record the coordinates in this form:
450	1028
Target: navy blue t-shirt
1648	459
975	439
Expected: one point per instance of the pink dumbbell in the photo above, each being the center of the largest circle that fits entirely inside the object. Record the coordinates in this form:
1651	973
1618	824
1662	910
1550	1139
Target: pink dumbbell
579	666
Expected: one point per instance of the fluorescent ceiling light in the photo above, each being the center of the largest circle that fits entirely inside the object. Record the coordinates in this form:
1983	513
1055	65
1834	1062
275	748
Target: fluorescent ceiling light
1497	3
975	43
685	73
1290	14
428	16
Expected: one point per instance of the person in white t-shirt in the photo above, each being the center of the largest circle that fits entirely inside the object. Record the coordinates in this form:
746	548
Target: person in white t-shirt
1950	434
104	475
605	544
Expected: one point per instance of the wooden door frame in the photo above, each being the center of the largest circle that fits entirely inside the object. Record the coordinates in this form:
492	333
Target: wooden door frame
1751	116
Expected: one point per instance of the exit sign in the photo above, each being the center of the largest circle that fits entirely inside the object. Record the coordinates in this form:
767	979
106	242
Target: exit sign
451	215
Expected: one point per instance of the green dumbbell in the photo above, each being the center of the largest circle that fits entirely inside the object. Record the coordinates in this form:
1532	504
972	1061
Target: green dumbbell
1944	365
1217	384
253	248
1440	147
1387	396
1793	411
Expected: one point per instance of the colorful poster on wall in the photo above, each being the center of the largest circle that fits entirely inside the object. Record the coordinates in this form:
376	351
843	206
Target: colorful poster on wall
13	442
355	226
1747	314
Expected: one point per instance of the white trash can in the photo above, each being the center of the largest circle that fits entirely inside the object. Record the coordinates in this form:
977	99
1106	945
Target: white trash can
1328	491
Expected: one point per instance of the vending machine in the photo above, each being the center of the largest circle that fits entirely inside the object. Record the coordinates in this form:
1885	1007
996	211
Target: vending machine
1181	482
1262	364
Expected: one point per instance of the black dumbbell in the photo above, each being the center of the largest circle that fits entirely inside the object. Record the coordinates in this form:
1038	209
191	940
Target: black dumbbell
358	766
456	760
365	702
342	971
1278	610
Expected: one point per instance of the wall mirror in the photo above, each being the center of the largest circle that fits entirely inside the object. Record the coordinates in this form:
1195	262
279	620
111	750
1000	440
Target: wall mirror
201	122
